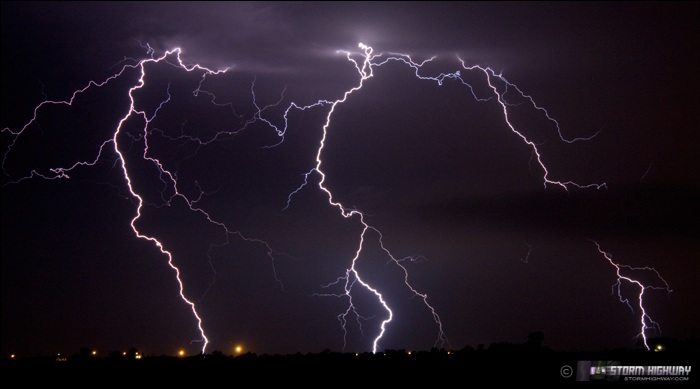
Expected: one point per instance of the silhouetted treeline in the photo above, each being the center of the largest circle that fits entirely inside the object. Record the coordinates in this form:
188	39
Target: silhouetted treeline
499	361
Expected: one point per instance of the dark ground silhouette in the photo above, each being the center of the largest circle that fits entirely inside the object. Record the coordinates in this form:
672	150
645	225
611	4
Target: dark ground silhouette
527	362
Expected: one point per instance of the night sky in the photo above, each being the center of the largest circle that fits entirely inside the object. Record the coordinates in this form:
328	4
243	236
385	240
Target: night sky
458	198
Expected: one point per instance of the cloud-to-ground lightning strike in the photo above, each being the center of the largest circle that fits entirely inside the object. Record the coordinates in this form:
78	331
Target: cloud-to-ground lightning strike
166	176
645	320
365	68
365	63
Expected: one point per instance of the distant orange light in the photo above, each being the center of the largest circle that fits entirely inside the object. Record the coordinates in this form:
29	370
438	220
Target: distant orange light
181	353
239	349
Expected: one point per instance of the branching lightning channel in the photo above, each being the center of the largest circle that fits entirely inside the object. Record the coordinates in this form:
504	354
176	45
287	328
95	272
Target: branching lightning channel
165	175
365	63
365	66
646	323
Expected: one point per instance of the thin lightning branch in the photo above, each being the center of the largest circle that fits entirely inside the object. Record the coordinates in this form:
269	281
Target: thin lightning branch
491	76
645	321
526	258
646	172
532	101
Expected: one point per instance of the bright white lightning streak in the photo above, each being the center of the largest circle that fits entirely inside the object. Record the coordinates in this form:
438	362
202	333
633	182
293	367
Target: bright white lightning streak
62	172
645	320
365	69
132	110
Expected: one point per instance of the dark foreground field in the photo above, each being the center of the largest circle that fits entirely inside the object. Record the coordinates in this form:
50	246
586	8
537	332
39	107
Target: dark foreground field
436	367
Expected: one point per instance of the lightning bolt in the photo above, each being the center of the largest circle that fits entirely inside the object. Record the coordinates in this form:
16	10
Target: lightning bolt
365	66
645	321
502	91
168	178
